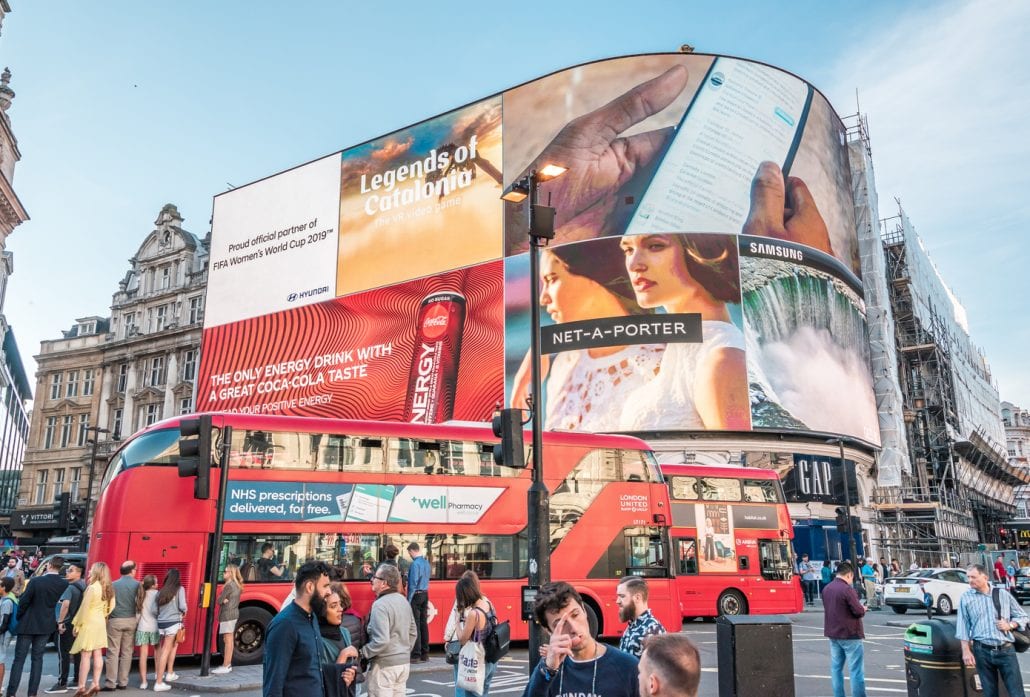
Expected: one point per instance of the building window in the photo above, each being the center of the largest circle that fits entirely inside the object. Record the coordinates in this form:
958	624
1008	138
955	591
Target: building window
189	365
123	378
75	486
116	423
41	481
72	388
160	318
149	414
166	278
48	433
196	309
157	371
88	381
131	327
83	432
55	386
186	405
58	482
66	430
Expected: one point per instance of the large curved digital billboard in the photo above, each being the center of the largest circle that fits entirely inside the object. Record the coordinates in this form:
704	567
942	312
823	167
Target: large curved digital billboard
704	273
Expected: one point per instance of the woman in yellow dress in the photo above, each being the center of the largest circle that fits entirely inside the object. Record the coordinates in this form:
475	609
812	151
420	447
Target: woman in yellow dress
90	626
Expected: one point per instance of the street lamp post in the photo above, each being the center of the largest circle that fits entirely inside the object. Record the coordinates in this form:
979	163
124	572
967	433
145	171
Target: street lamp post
541	229
847	507
84	535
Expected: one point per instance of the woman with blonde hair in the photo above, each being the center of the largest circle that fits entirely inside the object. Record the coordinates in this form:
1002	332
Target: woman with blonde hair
228	614
146	629
90	626
19	583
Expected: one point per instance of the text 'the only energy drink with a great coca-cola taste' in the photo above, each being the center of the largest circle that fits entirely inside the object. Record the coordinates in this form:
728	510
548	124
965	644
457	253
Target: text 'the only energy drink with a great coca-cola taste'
433	379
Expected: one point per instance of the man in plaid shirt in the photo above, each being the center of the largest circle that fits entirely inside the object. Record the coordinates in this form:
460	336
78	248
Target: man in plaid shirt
631	597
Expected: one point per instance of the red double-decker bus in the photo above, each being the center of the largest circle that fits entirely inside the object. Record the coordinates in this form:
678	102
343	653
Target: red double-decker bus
341	491
731	534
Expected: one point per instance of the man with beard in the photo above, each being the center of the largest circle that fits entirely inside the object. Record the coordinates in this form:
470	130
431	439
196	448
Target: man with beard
631	597
576	663
669	667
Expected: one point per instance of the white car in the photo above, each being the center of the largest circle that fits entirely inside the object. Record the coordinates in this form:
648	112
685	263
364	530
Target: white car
945	586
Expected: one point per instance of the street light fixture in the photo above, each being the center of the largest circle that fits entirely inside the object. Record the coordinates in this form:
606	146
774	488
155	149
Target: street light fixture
84	535
540	229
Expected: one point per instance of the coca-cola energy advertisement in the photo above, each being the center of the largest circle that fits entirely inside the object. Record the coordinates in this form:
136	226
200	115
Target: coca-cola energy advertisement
704	273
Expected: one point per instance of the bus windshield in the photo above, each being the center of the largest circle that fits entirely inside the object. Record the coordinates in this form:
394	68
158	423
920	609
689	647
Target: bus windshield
154	448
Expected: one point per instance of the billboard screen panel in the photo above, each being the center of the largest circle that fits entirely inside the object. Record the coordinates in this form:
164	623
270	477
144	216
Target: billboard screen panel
704	274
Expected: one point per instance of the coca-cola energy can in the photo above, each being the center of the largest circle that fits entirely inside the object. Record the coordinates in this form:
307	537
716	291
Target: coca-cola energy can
433	379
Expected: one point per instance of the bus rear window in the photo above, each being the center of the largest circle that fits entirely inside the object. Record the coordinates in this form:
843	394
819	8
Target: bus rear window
154	448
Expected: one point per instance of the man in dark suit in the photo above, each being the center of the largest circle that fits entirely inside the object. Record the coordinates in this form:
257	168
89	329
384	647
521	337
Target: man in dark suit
36	622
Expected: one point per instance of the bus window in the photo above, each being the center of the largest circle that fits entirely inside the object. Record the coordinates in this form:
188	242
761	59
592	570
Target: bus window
154	448
686	555
644	555
774	558
409	456
490	556
719	489
685	488
347	453
762	491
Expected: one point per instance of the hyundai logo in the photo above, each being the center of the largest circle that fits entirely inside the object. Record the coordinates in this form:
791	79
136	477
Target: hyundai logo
291	297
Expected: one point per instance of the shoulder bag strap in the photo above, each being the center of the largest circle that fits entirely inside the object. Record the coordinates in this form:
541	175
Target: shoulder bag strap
996	597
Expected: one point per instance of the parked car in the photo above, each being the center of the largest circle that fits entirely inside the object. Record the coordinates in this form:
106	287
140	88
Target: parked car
1022	588
77	557
945	586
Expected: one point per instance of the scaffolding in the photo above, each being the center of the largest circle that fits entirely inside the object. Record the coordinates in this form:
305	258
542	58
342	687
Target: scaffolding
960	488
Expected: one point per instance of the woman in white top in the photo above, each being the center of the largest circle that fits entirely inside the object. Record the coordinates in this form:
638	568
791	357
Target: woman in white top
699	385
585	388
146	628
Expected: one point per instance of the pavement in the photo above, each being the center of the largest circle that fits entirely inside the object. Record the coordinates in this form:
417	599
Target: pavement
243	678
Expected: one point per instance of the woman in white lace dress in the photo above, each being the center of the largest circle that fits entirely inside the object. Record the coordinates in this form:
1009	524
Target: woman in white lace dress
585	388
699	385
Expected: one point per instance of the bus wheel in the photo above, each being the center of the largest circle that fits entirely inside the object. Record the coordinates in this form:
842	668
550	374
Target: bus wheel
595	629
250	635
732	603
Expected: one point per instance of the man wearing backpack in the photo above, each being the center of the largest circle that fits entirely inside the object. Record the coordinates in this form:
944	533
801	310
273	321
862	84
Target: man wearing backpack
67	606
8	616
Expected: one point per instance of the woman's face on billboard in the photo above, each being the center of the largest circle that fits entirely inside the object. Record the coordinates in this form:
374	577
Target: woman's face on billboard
657	268
565	296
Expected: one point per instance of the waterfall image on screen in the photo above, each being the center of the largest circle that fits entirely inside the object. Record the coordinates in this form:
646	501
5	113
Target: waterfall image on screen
808	357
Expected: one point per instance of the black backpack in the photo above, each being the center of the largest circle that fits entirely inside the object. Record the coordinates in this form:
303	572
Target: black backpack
498	640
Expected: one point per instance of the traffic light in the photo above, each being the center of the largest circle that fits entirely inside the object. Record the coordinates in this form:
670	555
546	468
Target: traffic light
507	425
842	519
62	504
195	454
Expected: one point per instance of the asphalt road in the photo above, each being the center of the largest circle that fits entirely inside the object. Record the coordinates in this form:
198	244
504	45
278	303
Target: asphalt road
884	661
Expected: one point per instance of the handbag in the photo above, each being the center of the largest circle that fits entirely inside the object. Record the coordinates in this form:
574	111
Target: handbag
472	667
1020	639
180	636
498	641
451	650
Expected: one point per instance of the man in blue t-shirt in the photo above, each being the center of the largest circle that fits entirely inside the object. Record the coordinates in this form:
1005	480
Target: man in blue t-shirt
576	663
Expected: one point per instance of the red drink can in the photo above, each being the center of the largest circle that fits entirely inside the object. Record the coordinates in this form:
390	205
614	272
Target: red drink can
433	379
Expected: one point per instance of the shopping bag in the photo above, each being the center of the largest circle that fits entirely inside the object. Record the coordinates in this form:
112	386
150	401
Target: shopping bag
472	667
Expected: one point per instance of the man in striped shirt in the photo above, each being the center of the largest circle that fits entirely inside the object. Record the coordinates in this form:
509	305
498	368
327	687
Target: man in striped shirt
986	635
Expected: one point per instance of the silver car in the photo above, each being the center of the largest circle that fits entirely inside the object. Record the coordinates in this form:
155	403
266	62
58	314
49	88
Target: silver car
945	586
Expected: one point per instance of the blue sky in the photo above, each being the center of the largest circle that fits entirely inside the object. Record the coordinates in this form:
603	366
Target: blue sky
124	106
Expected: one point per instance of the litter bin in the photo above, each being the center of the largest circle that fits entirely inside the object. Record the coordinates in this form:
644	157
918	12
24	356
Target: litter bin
933	662
756	656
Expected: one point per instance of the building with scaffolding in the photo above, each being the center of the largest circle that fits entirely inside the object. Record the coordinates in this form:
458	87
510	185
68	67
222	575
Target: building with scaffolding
959	489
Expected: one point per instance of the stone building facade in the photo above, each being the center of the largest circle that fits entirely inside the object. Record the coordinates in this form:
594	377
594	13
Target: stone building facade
15	389
108	377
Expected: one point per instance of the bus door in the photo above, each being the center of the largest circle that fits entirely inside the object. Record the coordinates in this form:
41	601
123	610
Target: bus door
688	583
175	550
774	582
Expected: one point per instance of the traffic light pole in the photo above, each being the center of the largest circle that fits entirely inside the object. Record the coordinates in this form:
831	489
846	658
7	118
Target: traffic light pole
84	536
847	507
538	499
216	548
